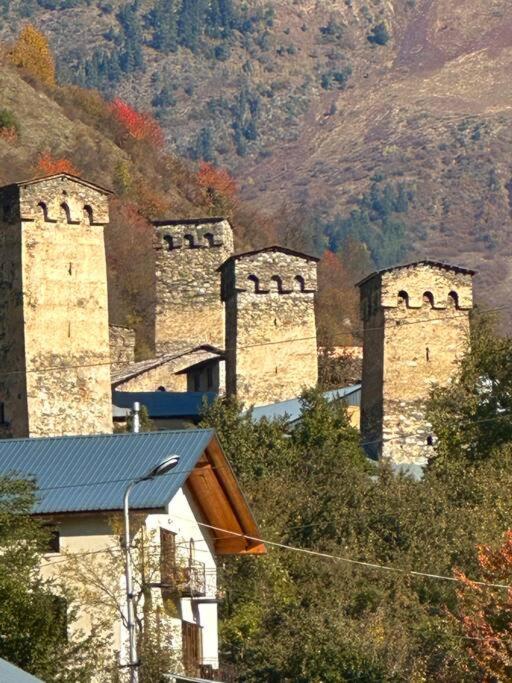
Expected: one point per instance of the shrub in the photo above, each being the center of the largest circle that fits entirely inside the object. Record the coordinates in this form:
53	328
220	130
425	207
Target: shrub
32	53
379	35
47	164
9	126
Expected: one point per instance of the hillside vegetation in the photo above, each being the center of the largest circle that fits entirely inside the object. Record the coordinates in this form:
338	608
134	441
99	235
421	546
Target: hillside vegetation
387	122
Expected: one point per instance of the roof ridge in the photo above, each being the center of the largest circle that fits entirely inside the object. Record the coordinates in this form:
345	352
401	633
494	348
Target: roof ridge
109	435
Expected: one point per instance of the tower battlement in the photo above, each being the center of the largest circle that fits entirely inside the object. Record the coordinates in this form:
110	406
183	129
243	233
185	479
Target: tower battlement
270	324
188	308
54	325
200	233
416	328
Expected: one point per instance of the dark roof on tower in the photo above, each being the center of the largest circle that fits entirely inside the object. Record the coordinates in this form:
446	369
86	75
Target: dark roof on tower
207	220
426	262
68	176
273	248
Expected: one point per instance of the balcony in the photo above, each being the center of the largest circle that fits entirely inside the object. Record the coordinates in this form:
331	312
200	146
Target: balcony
190	580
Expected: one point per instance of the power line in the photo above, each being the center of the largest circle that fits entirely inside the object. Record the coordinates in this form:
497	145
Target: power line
305	551
56	368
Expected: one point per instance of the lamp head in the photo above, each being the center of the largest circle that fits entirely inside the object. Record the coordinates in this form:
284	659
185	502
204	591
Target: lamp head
163	467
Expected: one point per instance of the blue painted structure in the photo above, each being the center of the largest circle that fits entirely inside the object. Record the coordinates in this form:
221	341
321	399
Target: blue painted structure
12	674
291	409
166	404
86	473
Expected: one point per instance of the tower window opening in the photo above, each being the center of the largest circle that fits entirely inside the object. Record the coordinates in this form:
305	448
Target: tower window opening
44	209
453	300
66	210
299	283
189	240
209	239
88	213
428	299
255	281
169	242
403	299
427	354
276	284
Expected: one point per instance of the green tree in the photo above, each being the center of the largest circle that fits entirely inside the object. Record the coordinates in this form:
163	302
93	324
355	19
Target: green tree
34	617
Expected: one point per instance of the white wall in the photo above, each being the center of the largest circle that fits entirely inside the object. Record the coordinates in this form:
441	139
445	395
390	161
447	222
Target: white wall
92	532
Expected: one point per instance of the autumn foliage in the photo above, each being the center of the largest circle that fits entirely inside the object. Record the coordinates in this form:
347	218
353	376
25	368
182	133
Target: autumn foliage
219	187
32	53
138	125
47	164
485	613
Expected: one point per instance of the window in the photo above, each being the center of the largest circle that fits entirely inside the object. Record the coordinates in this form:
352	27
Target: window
276	284
192	651
65	209
453	300
428	299
197	381
167	557
53	543
209	376
2	413
299	283
403	299
255	282
88	213
427	354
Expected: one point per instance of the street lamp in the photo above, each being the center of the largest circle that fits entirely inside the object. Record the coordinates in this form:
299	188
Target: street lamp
163	467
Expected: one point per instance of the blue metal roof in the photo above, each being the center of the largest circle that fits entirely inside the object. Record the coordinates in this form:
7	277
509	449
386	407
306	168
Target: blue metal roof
12	674
86	473
169	404
292	408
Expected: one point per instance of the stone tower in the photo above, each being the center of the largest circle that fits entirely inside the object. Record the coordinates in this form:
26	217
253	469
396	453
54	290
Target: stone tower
416	325
188	308
271	351
54	341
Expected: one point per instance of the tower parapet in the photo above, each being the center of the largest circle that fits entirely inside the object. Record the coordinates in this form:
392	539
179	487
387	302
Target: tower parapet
54	329
270	324
188	307
416	328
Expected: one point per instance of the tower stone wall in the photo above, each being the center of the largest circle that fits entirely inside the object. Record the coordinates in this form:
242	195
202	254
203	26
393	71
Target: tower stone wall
416	328
54	339
188	306
271	350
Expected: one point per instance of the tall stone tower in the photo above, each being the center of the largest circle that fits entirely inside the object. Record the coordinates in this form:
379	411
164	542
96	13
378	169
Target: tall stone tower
271	351
416	326
54	341
188	309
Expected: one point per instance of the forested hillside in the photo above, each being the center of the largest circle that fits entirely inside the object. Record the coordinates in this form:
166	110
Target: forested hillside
387	123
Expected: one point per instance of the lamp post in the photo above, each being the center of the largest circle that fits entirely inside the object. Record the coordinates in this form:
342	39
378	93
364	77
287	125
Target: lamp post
162	468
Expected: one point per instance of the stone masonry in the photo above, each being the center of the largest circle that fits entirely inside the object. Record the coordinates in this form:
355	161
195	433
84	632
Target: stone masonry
188	307
54	340
270	324
122	346
416	328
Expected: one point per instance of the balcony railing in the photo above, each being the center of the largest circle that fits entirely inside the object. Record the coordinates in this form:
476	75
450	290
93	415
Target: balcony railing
191	579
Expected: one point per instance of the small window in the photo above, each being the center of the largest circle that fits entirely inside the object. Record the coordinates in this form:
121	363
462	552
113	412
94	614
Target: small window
255	282
2	413
53	545
276	284
453	300
167	556
428	299
299	283
403	299
189	240
161	388
67	212
88	213
209	239
427	354
169	242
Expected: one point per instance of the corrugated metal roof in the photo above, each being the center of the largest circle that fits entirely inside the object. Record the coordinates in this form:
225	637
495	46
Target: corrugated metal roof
86	473
292	408
428	262
12	674
169	404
